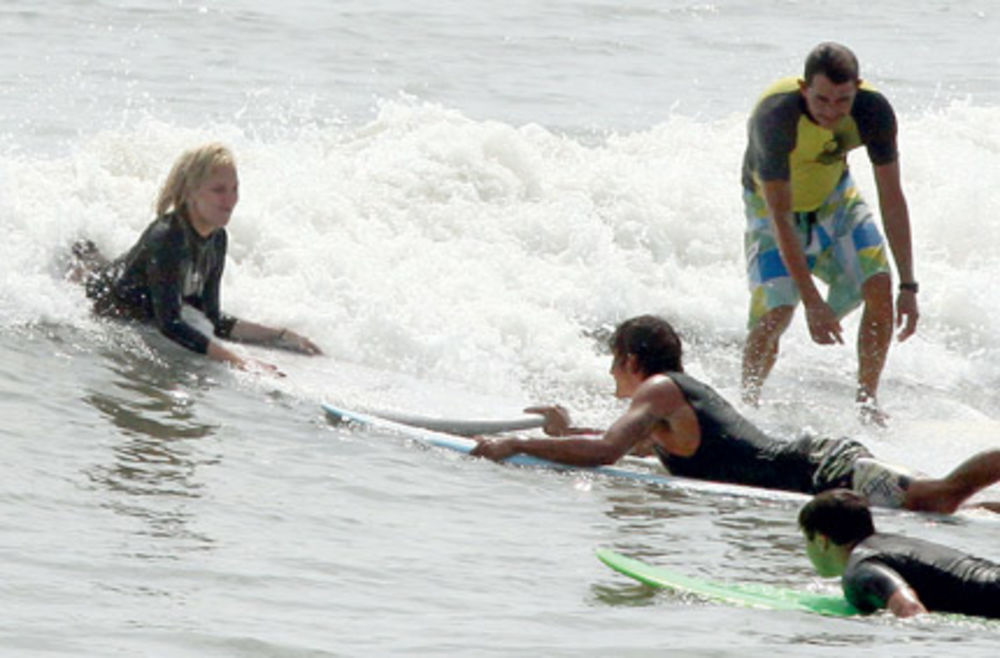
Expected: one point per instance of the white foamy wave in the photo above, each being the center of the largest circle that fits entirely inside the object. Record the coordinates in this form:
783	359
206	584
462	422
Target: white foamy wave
437	246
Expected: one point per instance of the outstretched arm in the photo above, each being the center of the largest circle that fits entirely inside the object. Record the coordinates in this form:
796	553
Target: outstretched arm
657	400
628	430
245	331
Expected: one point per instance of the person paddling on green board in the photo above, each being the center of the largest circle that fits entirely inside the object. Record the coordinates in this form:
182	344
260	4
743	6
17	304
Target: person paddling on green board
698	434
879	570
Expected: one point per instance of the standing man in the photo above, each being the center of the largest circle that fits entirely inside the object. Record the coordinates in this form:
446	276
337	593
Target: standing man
805	217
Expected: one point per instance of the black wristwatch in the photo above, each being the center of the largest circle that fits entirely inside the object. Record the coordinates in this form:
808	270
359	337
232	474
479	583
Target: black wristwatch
912	286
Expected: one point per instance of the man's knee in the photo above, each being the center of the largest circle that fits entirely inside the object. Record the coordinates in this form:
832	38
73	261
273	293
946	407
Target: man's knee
932	495
877	289
877	294
775	322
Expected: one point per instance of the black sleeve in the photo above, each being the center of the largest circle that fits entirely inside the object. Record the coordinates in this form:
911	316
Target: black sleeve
869	584
211	305
773	133
165	288
876	125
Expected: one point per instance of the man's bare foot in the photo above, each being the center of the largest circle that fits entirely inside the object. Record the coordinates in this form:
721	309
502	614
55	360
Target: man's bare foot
869	413
751	394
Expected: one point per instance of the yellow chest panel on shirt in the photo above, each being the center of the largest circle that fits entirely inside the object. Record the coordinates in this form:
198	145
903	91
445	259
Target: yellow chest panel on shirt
819	157
819	160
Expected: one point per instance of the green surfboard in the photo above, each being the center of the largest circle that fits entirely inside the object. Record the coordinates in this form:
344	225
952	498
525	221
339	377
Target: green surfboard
752	595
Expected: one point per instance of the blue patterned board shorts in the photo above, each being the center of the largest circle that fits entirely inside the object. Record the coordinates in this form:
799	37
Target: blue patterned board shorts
843	247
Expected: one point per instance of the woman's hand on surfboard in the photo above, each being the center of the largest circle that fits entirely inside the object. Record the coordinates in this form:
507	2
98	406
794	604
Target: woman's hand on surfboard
260	367
294	342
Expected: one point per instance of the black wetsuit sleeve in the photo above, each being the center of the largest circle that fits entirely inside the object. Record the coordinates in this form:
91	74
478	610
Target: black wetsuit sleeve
164	275
211	305
773	133
869	585
877	126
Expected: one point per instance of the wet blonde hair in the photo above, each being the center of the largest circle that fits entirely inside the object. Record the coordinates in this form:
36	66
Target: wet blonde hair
189	172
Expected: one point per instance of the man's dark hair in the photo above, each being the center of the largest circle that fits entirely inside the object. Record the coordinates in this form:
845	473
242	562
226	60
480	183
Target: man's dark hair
833	60
840	514
655	344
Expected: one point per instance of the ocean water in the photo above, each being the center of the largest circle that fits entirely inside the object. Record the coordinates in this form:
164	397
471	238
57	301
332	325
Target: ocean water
455	201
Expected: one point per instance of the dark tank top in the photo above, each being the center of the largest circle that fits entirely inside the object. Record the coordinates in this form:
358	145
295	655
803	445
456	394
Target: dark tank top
945	579
734	450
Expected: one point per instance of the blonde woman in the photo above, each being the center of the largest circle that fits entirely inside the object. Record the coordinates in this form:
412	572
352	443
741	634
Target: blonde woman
178	262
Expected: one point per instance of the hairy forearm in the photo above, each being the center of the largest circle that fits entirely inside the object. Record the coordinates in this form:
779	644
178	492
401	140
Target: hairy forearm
895	217
896	223
795	258
779	201
573	451
245	331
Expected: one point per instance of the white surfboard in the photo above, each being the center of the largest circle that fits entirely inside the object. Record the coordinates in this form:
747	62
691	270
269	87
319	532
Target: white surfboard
464	426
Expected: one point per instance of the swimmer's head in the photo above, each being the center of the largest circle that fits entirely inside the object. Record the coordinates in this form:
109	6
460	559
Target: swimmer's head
833	60
189	172
840	514
653	342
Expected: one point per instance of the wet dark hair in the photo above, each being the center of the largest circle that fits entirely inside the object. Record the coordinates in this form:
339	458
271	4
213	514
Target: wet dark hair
840	514
655	344
833	60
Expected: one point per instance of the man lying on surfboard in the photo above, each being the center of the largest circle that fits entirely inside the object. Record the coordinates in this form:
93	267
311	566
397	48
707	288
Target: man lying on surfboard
880	570
698	434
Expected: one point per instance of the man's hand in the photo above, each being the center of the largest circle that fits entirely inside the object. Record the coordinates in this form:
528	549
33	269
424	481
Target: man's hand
824	327
906	310
495	449
557	420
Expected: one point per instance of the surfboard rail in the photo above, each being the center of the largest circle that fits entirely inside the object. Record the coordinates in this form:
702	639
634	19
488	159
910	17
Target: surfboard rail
465	445
464	426
751	595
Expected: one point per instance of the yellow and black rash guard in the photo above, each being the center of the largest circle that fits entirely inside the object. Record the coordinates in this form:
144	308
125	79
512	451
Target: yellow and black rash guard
784	143
169	266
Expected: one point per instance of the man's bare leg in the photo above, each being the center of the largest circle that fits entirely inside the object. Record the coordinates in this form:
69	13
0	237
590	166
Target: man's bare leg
761	350
945	495
874	338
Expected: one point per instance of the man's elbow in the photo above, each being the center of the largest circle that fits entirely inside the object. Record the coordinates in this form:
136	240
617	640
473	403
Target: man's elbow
905	603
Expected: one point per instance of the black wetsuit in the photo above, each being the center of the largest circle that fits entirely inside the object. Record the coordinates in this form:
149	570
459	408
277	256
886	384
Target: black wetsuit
169	266
945	579
733	450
